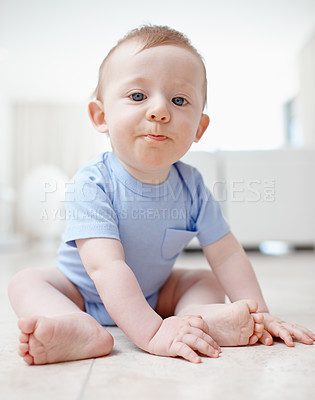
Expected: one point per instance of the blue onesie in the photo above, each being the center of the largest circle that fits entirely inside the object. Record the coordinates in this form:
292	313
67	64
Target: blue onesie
153	223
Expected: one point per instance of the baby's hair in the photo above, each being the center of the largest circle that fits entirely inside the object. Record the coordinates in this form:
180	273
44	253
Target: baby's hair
152	36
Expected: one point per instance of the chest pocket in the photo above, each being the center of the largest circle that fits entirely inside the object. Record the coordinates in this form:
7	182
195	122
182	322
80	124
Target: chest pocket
174	242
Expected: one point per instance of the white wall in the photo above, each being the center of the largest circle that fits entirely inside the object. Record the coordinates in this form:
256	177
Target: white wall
53	51
56	134
307	92
6	149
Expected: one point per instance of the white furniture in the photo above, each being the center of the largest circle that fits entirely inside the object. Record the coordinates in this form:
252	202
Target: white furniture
265	195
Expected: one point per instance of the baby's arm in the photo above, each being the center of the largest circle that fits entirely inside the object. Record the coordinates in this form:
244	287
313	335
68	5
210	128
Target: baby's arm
126	304
235	273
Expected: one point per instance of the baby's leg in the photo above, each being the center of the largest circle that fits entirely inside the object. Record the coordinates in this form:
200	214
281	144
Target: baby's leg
53	324
199	293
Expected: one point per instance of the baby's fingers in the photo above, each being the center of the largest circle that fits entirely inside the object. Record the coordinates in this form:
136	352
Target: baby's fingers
197	321
307	334
190	343
205	345
206	338
180	349
286	336
303	335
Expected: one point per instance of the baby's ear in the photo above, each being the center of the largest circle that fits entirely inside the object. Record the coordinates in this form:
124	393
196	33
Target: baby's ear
97	115
203	125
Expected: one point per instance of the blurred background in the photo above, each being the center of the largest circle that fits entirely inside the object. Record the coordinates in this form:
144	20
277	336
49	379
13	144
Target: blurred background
257	155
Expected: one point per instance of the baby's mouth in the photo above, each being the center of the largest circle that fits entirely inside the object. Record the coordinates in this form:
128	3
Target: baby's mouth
156	138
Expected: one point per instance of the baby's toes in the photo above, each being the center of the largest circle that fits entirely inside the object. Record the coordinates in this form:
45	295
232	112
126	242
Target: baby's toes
258	318
24	338
28	359
23	349
251	304
257	334
259	330
253	339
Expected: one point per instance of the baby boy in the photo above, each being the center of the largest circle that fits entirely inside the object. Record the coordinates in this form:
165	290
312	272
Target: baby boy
133	210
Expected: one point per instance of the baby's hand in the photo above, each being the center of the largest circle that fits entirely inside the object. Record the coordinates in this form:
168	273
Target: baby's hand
274	327
183	337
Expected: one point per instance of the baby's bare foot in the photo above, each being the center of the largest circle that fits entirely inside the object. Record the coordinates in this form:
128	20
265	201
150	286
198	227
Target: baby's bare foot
235	324
74	336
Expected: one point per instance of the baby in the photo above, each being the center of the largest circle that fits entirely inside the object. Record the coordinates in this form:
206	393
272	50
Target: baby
130	213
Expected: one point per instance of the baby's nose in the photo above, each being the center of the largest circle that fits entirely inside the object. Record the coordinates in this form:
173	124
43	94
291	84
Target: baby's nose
158	117
159	113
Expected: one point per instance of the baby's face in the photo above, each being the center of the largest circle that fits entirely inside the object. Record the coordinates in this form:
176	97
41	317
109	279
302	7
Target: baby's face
153	102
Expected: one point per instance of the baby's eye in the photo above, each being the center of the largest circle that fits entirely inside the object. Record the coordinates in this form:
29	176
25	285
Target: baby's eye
179	101
137	96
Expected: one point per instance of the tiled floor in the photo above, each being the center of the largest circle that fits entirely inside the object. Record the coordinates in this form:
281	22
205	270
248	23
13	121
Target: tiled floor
255	372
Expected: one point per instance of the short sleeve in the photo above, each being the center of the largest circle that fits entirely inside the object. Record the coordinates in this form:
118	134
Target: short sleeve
88	206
